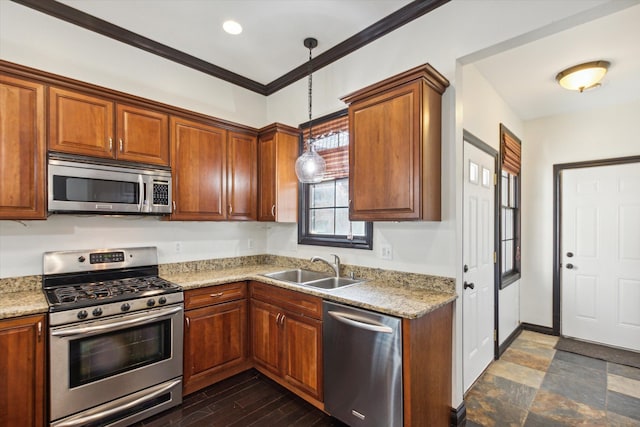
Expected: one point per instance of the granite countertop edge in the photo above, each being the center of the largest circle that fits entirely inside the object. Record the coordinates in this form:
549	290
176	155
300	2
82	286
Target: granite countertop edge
385	297
377	295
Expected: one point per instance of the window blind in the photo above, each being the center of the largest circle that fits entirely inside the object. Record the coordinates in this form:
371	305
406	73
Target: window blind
511	151
332	143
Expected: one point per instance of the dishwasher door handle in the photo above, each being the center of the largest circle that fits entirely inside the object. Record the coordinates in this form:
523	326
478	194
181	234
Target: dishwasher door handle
360	322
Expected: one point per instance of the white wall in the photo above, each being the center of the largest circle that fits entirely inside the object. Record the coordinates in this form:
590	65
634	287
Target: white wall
598	134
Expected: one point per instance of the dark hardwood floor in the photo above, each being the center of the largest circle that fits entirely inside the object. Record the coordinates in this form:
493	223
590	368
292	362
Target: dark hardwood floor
247	399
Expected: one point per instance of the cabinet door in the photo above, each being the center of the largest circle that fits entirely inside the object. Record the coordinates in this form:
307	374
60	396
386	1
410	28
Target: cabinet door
198	162
215	340
80	124
267	191
303	353
242	177
22	371
384	156
22	162
266	336
143	135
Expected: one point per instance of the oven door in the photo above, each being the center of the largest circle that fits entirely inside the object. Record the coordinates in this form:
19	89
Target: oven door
96	362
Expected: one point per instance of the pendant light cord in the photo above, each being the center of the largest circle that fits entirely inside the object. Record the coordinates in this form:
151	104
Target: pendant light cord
310	101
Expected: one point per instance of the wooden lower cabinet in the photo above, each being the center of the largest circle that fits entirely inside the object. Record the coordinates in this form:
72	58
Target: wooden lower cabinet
22	371
215	340
286	340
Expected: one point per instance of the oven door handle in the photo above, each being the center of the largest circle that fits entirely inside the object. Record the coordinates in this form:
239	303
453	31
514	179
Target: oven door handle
83	420
115	325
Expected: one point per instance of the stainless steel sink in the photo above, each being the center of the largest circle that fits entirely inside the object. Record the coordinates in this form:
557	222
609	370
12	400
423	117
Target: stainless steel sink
311	278
297	275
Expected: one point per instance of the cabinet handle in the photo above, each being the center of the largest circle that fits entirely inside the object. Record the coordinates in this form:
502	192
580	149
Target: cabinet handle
282	320
219	294
121	145
278	318
230	209
174	206
186	319
110	144
39	331
273	211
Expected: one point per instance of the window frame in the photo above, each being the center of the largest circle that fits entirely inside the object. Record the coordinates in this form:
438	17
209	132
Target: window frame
514	274
304	236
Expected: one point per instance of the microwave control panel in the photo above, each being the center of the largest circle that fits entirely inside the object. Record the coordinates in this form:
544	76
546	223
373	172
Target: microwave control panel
161	193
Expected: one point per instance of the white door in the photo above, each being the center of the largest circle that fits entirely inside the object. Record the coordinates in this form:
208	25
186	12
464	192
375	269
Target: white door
478	299
601	255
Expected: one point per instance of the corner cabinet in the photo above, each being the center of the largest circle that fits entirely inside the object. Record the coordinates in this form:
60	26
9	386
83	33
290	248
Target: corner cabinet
22	144
278	184
286	339
215	340
84	124
22	371
394	148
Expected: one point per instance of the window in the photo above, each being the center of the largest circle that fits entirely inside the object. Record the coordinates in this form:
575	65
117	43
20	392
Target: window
324	207
510	152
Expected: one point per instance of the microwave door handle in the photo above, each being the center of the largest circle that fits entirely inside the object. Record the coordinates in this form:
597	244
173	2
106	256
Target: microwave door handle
140	193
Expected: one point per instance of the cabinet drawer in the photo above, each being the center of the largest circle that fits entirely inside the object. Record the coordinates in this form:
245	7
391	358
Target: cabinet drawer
297	302
211	295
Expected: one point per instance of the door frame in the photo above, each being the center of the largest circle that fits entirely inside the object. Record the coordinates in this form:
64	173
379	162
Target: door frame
483	146
557	224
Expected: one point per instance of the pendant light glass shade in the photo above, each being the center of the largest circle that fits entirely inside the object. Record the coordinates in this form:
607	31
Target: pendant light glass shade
583	76
310	166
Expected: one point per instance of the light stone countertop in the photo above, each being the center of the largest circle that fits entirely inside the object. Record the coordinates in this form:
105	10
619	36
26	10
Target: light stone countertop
384	296
16	304
395	295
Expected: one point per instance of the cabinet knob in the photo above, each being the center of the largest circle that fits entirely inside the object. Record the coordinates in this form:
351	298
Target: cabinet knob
570	266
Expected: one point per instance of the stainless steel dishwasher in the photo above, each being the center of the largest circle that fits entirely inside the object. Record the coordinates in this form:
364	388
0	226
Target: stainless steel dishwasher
362	366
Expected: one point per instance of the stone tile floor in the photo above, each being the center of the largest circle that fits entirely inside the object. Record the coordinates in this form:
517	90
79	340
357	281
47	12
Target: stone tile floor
533	385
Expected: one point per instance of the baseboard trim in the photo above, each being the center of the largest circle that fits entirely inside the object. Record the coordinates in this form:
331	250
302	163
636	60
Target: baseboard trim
510	339
537	328
458	416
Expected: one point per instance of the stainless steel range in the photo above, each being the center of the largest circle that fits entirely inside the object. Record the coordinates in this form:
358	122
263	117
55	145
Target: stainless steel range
115	337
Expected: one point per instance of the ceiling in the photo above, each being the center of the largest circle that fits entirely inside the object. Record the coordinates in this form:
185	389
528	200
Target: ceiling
524	76
270	54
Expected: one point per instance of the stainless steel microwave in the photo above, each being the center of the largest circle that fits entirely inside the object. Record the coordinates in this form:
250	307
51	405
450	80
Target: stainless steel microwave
82	184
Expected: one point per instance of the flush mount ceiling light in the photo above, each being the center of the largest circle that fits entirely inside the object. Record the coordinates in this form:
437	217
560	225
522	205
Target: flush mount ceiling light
232	27
310	166
583	76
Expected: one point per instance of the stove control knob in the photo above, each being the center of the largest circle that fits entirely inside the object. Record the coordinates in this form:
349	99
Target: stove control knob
125	307
81	259
83	314
151	302
162	300
97	312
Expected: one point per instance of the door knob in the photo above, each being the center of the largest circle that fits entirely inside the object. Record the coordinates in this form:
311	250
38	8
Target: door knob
468	285
569	254
570	266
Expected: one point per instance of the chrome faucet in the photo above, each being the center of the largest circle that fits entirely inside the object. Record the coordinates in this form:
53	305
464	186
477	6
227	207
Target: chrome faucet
335	265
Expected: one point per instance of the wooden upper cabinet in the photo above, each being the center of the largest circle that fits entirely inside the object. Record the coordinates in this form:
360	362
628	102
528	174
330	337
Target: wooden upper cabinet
278	184
143	135
93	126
22	369
198	165
80	124
22	149
242	176
394	148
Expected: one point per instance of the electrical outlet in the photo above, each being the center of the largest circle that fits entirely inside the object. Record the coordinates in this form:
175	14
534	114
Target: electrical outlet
178	247
386	252
249	243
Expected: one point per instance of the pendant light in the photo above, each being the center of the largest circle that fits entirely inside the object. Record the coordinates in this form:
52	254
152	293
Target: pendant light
310	166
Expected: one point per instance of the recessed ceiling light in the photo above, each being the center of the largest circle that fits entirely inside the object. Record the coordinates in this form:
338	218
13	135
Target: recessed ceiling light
232	27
